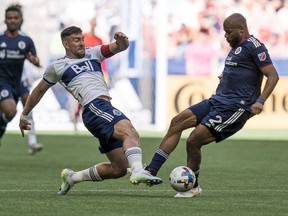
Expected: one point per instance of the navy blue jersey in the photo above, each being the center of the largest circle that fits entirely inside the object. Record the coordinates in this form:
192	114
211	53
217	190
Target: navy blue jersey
13	52
241	81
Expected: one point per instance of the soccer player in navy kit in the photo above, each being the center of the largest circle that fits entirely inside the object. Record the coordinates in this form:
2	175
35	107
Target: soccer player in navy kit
26	83
14	49
80	73
238	97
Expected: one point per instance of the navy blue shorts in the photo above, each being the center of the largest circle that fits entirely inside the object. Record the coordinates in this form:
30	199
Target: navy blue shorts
221	120
7	92
99	117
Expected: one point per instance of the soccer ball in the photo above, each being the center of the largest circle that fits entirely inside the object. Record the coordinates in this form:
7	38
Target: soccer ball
182	179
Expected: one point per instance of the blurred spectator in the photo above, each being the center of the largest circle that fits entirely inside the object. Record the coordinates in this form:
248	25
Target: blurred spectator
269	25
200	55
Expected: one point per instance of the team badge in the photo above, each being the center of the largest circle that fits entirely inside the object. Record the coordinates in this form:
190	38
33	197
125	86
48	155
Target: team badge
117	112
4	93
21	44
262	56
238	50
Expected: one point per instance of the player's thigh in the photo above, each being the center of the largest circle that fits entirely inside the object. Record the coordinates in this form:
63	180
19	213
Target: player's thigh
185	119
191	116
124	128
201	135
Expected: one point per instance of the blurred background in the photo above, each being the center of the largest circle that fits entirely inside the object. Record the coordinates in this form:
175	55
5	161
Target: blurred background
176	53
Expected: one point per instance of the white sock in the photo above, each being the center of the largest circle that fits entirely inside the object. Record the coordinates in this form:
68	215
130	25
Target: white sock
134	156
31	133
89	174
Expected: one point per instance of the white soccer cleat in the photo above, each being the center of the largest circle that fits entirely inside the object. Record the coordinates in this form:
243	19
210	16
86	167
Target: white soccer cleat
33	149
191	193
66	184
145	177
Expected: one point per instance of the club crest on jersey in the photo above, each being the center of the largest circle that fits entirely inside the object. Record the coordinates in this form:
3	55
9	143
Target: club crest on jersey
262	56
4	93
21	44
117	112
238	50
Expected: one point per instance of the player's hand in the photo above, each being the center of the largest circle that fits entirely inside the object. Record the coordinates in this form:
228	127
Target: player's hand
24	124
256	108
121	40
220	77
33	59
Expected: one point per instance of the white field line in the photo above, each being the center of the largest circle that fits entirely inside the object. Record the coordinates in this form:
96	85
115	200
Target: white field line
140	190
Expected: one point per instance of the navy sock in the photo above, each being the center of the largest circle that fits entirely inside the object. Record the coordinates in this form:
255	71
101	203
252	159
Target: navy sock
196	175
3	124
3	120
158	160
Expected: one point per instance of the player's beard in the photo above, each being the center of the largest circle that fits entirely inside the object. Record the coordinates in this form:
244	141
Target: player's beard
235	41
81	53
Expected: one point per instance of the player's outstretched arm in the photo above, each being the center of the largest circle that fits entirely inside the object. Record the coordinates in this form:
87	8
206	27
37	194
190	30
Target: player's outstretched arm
31	102
121	43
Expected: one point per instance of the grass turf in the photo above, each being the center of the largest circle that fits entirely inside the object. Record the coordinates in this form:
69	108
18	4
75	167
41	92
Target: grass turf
238	177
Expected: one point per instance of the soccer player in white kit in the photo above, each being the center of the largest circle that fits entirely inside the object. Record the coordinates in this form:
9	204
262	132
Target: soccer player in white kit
80	73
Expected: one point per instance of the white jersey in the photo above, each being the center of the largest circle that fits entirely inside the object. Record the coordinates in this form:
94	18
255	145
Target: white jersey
83	78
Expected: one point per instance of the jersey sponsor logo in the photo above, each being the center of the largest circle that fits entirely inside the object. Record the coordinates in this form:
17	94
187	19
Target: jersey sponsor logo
84	66
74	70
2	54
21	44
262	56
15	54
238	50
229	61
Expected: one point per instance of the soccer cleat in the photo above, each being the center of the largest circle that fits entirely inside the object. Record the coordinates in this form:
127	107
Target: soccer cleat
144	177
191	193
66	185
151	170
33	149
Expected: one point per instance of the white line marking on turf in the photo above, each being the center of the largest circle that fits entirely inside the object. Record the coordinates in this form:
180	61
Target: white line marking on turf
137	190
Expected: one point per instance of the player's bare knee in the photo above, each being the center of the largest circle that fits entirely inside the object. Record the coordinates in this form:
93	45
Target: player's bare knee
192	142
10	114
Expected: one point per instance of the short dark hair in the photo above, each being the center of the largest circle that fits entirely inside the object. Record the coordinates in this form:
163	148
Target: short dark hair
69	31
16	7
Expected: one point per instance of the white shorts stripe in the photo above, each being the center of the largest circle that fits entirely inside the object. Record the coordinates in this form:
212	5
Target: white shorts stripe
230	121
100	113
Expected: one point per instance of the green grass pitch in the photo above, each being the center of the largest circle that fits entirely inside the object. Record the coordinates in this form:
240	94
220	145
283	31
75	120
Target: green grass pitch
238	177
